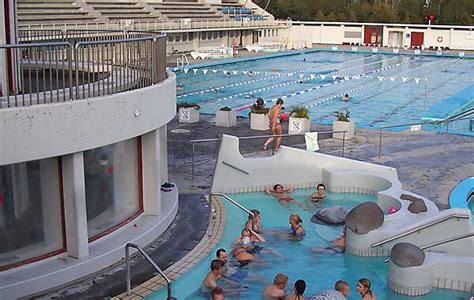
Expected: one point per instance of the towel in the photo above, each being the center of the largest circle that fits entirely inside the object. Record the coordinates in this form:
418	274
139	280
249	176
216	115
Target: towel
311	139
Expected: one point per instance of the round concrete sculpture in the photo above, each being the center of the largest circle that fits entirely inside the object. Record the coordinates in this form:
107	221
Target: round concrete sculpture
365	217
407	255
335	215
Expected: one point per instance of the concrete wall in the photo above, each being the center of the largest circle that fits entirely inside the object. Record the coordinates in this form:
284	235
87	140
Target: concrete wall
453	37
48	130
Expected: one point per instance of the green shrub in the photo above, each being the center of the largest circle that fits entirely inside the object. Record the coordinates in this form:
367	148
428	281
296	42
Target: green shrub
260	111
343	116
225	108
300	112
187	105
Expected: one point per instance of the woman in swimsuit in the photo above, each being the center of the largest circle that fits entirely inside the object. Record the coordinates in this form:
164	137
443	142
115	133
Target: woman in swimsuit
274	124
363	288
297	230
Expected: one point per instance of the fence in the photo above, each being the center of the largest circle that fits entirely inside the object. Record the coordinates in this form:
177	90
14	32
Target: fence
49	66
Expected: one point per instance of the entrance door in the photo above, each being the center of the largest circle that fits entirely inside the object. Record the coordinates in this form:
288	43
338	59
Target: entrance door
255	37
416	39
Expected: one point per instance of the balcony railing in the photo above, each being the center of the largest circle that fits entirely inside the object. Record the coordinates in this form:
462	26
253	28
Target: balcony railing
48	66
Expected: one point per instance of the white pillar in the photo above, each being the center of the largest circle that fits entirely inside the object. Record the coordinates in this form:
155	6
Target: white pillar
163	153
75	205
151	173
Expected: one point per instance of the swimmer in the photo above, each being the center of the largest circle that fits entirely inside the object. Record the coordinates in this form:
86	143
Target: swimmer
363	288
250	74
319	195
257	227
341	291
282	195
345	97
298	290
336	246
297	230
217	294
277	289
179	87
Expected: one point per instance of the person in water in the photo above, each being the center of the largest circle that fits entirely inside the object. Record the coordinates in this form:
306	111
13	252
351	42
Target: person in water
277	289
319	194
257	227
298	291
217	294
364	289
345	97
281	193
336	246
340	292
297	230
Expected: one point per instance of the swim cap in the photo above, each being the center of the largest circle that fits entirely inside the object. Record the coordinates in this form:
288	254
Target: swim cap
392	210
245	241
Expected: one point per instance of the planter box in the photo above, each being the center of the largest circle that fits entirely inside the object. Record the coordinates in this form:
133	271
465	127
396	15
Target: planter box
226	118
259	122
298	125
188	115
343	126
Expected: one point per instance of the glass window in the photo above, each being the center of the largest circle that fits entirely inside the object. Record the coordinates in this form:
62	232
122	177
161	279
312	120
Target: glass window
221	34
185	37
178	37
203	36
30	211
170	38
209	35
215	35
112	190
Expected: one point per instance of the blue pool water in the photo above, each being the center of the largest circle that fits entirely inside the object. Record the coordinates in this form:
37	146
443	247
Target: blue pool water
320	271
384	89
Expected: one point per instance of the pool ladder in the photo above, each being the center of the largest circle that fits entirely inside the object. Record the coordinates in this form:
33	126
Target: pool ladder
151	261
182	61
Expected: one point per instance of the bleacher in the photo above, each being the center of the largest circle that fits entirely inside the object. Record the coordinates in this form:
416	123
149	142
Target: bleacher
87	11
122	10
52	11
192	10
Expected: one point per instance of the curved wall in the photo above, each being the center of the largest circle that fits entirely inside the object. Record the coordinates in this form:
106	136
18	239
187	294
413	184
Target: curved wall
48	130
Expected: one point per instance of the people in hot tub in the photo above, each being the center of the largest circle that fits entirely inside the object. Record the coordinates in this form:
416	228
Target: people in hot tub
336	246
257	227
281	193
297	230
210	281
320	193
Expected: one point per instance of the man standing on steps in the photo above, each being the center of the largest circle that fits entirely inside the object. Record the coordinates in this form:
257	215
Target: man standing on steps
274	124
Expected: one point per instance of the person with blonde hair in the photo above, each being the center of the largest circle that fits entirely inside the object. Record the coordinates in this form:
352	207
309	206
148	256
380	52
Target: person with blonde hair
277	289
297	230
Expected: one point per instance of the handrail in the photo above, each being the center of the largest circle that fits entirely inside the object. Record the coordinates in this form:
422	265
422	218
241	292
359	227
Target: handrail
395	237
445	241
446	121
150	260
235	168
233	202
459	237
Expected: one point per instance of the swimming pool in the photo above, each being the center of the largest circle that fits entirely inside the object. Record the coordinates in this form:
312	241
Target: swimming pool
384	89
320	271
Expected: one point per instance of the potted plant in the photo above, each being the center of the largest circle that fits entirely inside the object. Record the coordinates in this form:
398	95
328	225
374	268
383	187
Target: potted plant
226	117
299	121
188	112
343	123
259	116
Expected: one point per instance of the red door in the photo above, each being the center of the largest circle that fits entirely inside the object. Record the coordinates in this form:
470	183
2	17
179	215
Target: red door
416	39
370	35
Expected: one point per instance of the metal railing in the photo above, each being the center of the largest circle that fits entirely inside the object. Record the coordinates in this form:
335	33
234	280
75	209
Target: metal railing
79	64
445	122
211	216
150	260
408	232
442	242
165	25
218	139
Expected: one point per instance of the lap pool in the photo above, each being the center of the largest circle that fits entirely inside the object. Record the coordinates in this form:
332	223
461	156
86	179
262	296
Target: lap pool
320	271
384	89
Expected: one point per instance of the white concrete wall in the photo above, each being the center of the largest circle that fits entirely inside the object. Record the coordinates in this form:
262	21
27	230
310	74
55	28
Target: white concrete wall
454	37
48	130
299	168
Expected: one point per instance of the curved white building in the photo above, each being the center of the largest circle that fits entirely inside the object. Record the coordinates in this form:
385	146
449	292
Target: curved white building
83	154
